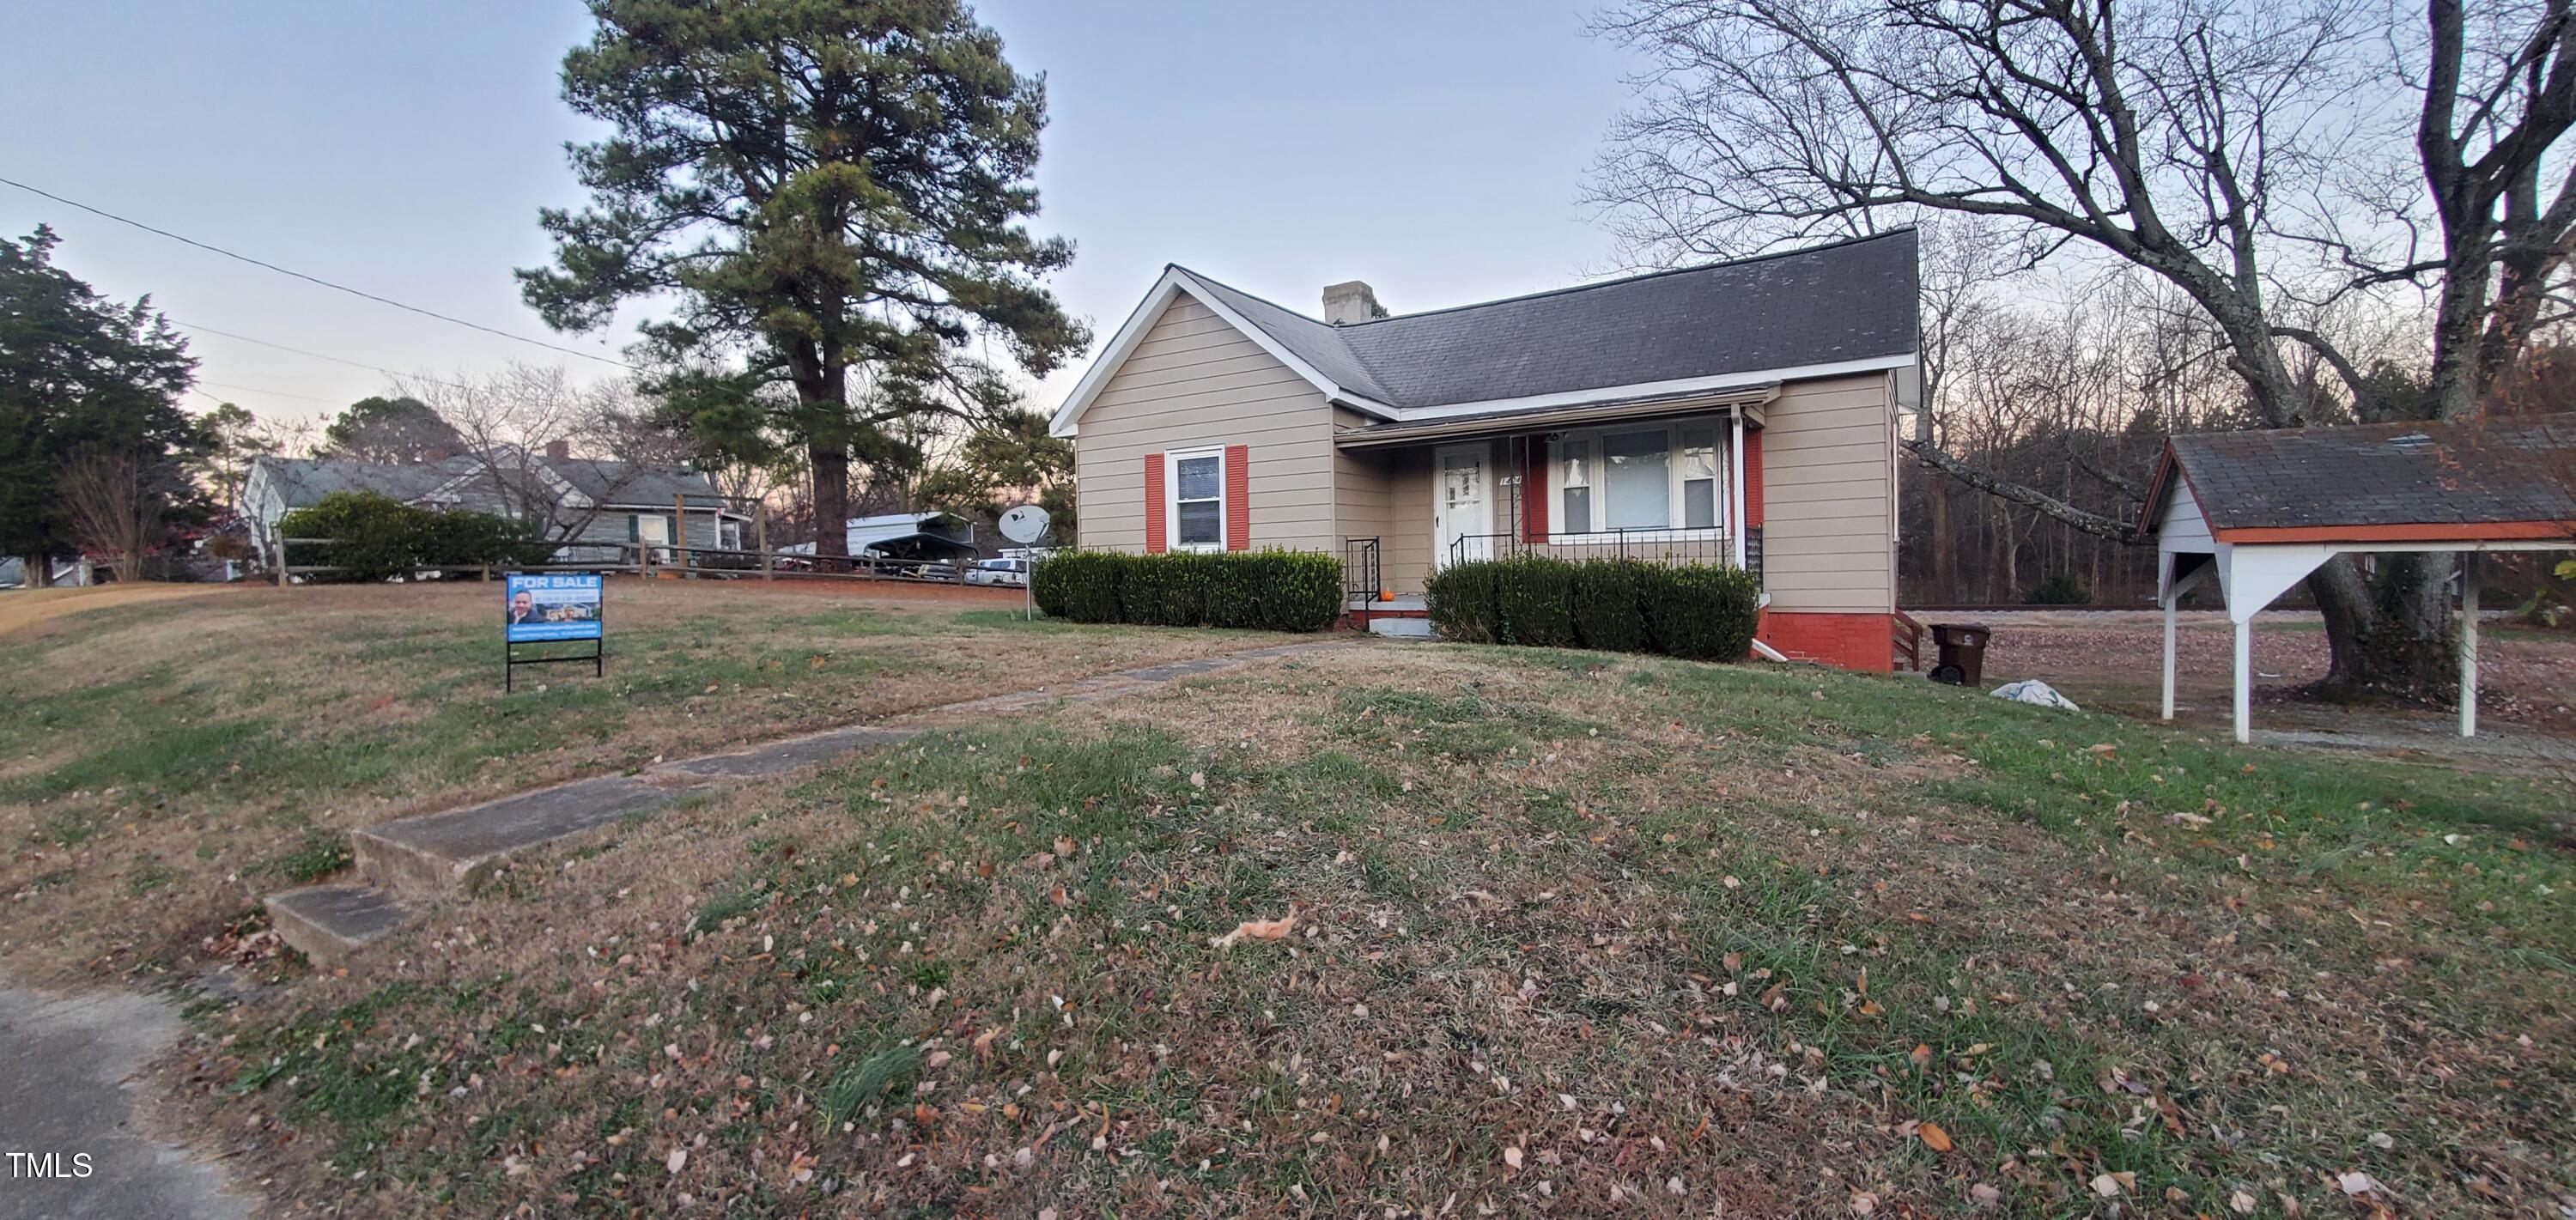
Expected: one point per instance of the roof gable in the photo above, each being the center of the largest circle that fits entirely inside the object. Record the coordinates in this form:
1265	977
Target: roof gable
1802	312
2471	472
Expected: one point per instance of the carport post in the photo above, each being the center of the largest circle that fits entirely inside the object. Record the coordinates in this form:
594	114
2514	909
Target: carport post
2170	598
2245	678
2468	643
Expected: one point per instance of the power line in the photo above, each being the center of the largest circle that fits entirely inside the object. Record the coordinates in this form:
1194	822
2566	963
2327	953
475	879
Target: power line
355	364
252	389
310	279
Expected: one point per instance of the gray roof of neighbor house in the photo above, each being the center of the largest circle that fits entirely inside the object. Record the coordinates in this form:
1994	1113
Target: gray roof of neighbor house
1823	305
2471	472
303	481
636	483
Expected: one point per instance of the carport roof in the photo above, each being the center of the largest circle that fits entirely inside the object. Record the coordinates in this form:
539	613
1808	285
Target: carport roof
2415	481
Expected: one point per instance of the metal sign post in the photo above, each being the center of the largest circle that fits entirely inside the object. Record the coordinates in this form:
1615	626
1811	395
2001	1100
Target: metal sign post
1025	525
539	608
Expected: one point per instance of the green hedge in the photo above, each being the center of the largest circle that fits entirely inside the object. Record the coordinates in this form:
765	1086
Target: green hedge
1704	613
1267	590
374	538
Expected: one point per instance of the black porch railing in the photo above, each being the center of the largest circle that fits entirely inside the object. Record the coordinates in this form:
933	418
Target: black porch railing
1668	546
1362	577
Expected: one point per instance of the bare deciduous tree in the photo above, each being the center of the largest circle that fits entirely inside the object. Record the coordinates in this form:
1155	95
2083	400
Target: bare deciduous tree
119	507
2249	154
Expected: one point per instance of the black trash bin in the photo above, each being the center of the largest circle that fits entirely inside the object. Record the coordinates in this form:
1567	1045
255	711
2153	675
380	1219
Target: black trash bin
1963	652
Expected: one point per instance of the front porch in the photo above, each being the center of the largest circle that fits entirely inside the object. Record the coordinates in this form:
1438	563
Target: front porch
1658	482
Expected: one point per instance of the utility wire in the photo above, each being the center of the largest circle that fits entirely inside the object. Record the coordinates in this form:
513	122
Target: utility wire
252	389
310	279
355	364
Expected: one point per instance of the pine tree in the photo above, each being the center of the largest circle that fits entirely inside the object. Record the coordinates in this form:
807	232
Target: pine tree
833	193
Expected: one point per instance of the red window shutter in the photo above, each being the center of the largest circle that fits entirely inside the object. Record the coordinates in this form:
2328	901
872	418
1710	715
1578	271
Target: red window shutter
1753	479
1153	503
1534	492
1238	498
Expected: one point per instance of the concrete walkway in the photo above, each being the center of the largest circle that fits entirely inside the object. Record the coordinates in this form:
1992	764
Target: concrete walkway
67	1106
403	865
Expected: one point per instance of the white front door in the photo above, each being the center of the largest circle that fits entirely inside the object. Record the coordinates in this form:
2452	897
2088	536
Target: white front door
654	530
1462	507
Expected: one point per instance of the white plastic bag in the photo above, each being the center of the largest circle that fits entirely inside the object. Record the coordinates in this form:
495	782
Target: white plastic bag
2034	691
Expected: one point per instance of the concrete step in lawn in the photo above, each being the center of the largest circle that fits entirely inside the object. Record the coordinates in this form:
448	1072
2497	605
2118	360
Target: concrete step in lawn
1401	628
404	865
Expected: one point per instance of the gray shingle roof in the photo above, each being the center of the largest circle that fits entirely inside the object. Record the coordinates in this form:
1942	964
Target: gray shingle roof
1849	301
2472	472
304	481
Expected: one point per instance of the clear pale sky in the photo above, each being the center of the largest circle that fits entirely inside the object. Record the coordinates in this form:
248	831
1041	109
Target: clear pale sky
1435	150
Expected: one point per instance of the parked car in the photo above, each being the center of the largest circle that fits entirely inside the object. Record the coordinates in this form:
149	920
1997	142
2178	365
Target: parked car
1012	572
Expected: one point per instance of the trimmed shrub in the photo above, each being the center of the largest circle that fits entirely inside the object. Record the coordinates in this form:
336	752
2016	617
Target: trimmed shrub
1536	596
1300	590
1047	585
1462	601
1608	612
1168	590
1270	590
374	537
1703	613
1080	585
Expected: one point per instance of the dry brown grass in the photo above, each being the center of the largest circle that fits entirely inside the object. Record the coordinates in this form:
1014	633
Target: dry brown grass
1575	935
166	763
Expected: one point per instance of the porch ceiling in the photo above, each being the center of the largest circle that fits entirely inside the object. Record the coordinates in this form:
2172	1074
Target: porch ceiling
1747	400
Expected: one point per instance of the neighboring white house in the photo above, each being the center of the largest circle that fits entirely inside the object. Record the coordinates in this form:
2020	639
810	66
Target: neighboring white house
610	505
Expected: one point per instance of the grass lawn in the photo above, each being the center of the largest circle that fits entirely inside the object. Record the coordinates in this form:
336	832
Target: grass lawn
164	764
1573	934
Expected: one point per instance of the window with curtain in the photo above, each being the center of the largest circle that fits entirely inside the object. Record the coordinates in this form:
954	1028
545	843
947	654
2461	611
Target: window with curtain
1699	476
1667	477
1574	475
1636	480
1198	501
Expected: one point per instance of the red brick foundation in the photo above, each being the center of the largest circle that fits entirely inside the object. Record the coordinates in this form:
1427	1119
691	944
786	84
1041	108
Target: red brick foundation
1844	641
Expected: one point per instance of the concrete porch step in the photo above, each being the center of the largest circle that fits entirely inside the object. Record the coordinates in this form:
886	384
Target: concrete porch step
1401	628
1408	603
330	922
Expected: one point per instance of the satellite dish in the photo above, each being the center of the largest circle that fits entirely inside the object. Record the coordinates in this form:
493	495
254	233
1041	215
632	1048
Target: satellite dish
1025	524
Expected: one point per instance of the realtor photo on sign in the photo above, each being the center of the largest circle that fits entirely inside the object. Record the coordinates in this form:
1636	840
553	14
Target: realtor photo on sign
551	608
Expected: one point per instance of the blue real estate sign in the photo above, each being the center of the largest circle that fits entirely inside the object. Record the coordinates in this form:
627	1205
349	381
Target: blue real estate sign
539	607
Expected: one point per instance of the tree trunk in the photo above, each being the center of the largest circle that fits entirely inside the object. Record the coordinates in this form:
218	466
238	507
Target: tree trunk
1944	549
39	572
2390	632
831	465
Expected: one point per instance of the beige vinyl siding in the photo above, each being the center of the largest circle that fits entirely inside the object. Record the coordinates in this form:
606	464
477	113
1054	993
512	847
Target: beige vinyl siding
1195	382
1409	520
1363	497
1828	512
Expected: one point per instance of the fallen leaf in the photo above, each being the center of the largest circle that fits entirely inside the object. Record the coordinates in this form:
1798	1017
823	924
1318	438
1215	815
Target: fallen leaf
2113	1185
2356	1183
1986	1196
1064	846
678	1158
1259	929
1512	1157
1933	1137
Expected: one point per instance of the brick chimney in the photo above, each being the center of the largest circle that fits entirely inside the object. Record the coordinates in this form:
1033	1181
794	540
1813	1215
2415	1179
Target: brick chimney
1351	302
558	450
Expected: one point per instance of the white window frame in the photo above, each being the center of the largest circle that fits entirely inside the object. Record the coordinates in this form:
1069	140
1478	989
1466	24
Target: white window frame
1561	531
1172	498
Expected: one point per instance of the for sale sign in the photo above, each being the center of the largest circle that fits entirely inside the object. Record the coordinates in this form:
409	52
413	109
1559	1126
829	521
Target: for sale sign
541	606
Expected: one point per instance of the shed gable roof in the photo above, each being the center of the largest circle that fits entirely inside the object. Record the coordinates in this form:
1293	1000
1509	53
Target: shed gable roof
2474	472
1803	309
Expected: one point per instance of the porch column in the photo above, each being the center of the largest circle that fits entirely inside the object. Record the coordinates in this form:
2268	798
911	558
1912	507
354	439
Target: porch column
1735	488
2244	678
2468	643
